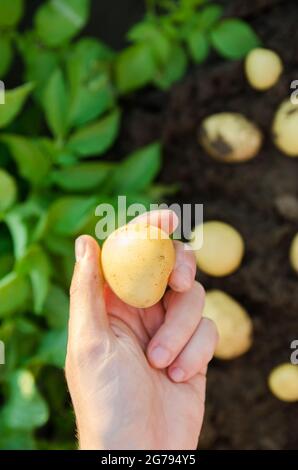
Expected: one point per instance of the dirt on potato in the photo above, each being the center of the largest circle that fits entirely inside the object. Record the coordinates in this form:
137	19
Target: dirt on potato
260	199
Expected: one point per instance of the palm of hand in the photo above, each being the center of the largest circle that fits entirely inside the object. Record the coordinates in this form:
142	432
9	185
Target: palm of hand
149	407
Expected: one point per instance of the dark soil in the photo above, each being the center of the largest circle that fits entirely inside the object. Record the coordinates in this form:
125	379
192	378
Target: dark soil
259	198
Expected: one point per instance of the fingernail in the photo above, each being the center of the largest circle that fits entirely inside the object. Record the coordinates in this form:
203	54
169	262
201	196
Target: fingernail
185	275
160	356
80	248
177	374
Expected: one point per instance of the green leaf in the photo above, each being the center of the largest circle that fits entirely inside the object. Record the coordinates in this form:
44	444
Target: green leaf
82	177
233	38
97	137
57	21
56	307
52	350
11	12
14	439
6	264
198	46
31	158
40	62
68	215
14	292
25	409
152	35
138	170
6	54
55	104
19	232
174	69
14	101
35	263
209	16
91	91
8	190
135	67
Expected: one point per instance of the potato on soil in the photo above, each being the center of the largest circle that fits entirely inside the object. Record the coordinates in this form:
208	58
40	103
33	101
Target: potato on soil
285	128
283	382
230	137
263	68
233	324
222	250
137	260
294	253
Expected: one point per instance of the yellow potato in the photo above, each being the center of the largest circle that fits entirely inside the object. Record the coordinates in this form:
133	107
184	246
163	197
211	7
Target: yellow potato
283	382
294	253
137	260
263	68
285	128
222	250
230	137
233	324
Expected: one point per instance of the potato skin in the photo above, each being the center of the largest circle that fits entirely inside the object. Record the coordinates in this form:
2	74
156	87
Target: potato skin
233	324
230	137
222	250
283	382
263	68
137	260
284	128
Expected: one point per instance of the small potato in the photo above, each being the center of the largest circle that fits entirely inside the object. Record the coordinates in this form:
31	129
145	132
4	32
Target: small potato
233	324
263	68
137	260
222	250
294	253
230	137
283	382
285	128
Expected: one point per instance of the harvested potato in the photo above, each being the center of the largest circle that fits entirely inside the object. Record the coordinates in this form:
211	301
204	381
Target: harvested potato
233	324
294	253
230	137
137	260
263	68
285	128
222	250
283	382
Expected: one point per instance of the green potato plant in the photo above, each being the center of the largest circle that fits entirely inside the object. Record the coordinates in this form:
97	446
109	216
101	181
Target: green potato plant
60	120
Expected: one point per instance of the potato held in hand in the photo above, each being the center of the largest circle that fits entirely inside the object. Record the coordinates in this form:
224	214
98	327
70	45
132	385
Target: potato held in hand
137	260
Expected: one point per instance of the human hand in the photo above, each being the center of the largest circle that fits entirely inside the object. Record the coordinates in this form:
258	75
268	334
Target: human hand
137	376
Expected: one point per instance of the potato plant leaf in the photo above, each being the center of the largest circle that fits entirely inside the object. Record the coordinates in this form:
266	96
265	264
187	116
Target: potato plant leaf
68	214
14	101
96	138
57	21
138	170
14	292
55	104
11	12
8	190
135	67
234	38
32	159
26	409
83	176
6	54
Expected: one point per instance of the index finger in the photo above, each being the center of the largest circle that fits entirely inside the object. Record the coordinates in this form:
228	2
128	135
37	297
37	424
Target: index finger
165	219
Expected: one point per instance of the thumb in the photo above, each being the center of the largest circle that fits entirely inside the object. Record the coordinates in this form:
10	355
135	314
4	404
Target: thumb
88	316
